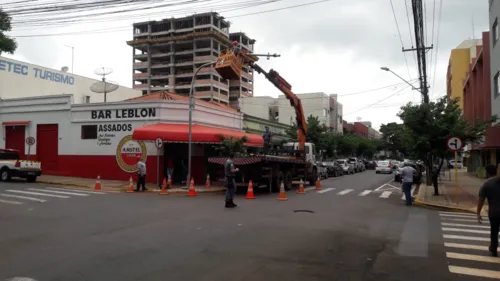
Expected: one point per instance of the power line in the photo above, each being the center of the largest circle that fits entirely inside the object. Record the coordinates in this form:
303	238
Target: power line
437	45
386	98
400	37
409	30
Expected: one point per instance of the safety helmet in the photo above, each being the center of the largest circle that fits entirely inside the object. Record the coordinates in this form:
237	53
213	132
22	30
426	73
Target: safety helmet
235	43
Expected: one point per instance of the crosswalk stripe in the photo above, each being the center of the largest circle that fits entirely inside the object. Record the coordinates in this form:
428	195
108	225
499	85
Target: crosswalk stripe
457	215
10	202
474	272
23	197
364	193
36	193
344	192
466	246
463	220
473	257
326	190
58	192
452	229
309	188
460	237
385	194
76	190
464	225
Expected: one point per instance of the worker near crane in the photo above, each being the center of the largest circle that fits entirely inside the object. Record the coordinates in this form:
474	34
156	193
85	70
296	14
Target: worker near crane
229	172
267	137
236	48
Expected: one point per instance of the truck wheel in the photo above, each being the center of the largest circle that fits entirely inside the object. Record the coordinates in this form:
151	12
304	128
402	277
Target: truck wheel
31	179
288	180
313	178
5	175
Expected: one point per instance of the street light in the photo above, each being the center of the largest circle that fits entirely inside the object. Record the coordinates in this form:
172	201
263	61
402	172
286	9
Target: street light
385	68
72	57
191	106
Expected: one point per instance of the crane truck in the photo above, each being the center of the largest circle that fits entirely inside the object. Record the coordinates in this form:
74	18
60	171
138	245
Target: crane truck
296	161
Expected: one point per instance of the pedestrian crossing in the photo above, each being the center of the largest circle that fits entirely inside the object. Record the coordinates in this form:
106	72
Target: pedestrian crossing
467	245
359	193
34	195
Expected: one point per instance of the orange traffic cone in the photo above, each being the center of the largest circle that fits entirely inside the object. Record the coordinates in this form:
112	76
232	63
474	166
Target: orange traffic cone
192	190
98	183
318	184
130	185
301	188
164	187
250	194
207	182
282	196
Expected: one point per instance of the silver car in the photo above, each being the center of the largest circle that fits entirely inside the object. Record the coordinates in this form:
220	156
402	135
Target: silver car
347	167
383	167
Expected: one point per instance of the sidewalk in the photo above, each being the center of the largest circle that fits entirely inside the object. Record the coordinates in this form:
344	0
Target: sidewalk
113	185
461	198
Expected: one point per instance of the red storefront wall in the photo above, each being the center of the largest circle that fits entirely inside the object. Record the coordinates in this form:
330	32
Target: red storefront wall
477	93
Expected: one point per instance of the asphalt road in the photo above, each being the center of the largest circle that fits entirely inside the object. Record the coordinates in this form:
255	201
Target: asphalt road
332	234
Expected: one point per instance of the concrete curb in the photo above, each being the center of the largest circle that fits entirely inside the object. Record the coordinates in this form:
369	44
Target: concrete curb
443	207
76	185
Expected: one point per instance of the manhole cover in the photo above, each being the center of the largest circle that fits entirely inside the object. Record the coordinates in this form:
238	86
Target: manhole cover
303	211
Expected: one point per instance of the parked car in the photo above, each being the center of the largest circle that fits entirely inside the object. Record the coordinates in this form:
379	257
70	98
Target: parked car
370	165
356	165
395	164
361	166
347	167
322	171
333	168
451	164
384	167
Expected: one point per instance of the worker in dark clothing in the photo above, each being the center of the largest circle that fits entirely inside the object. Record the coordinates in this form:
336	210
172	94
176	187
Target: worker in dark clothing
236	48
267	136
491	191
229	172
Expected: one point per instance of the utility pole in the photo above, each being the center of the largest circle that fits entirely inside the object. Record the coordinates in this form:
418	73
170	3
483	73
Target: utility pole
421	49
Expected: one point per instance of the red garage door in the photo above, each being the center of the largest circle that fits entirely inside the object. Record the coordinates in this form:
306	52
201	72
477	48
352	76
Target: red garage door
47	150
15	138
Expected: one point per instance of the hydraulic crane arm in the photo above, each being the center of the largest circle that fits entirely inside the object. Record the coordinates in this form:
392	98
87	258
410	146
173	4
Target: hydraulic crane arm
279	82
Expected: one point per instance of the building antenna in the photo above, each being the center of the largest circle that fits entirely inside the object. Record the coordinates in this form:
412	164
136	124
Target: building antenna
473	29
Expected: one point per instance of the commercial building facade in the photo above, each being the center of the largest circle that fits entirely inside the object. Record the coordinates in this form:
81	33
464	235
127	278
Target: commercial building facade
20	79
87	140
458	66
256	125
167	53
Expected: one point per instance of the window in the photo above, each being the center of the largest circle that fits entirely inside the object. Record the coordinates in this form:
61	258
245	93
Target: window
496	85
89	132
87	99
494	30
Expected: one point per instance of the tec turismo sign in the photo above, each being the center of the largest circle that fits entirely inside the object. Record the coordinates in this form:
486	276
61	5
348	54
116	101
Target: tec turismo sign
124	113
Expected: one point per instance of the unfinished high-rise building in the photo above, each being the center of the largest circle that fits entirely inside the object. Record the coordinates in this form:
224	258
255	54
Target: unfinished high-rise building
167	53
244	87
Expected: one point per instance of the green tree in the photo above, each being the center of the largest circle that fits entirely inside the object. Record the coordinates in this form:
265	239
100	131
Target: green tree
395	137
7	44
430	125
231	145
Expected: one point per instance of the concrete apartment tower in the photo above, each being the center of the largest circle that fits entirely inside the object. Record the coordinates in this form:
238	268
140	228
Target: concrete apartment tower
166	54
244	87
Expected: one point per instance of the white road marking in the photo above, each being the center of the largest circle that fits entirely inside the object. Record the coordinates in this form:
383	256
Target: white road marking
466	246
364	193
76	190
10	202
344	192
326	190
36	193
485	222
474	272
309	188
387	183
455	213
385	194
460	237
23	197
464	225
458	215
465	230
58	192
473	257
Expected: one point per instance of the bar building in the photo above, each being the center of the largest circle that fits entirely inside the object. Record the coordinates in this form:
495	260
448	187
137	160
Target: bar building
166	54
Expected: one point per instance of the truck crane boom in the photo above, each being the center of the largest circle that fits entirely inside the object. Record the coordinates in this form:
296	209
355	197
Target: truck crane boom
229	66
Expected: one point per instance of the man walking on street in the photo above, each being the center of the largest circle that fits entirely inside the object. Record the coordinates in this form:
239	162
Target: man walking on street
141	174
491	191
229	171
407	178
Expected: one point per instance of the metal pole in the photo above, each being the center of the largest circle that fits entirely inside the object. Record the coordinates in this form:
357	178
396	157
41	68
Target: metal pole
72	57
191	106
455	166
413	87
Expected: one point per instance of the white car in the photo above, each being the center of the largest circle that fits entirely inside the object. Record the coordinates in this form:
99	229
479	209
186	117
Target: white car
383	167
451	164
346	166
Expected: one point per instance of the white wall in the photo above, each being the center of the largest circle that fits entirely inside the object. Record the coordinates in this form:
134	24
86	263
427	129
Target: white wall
19	79
257	106
313	104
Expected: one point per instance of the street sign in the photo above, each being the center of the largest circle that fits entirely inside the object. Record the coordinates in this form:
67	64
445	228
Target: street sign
454	143
30	141
159	143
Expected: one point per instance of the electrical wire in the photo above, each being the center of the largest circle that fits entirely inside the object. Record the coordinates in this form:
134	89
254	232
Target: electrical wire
437	45
386	98
400	37
409	30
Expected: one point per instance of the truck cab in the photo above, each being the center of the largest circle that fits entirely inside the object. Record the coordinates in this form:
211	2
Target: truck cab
310	150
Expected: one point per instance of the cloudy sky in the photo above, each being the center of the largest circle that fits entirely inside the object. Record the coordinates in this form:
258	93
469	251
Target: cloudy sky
335	46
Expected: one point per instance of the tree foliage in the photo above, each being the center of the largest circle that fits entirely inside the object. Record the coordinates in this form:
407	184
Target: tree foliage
336	145
231	145
7	44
